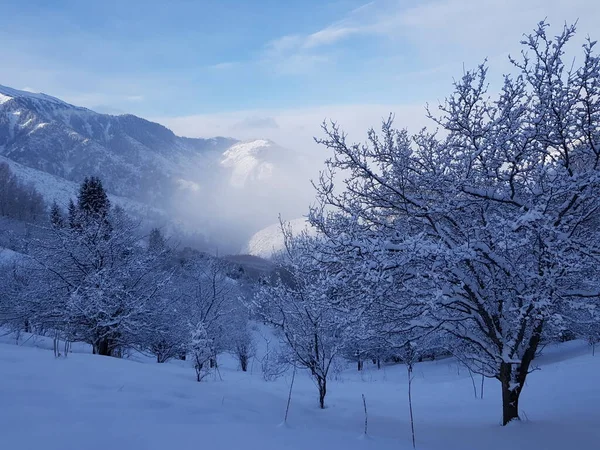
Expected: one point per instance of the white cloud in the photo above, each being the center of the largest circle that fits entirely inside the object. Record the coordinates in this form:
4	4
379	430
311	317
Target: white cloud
297	53
256	122
446	30
295	128
134	98
224	65
330	35
288	55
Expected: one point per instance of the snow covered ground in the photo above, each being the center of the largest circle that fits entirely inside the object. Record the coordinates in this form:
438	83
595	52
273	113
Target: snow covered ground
8	256
92	402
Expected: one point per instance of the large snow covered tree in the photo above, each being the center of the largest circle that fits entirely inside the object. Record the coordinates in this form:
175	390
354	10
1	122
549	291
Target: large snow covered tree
99	279
490	223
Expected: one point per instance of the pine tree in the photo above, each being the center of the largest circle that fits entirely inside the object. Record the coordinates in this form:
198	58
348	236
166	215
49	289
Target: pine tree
56	218
156	241
73	218
92	199
92	209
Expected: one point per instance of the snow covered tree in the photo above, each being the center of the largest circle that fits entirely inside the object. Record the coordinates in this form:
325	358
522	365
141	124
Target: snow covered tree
92	198
490	225
244	347
72	214
168	333
99	279
300	309
211	299
156	241
56	216
202	350
19	200
17	287
584	322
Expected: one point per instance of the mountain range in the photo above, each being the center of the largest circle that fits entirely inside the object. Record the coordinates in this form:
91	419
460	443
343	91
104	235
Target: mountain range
216	187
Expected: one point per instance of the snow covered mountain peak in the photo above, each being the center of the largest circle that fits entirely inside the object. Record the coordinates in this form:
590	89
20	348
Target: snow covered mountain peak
249	161
8	93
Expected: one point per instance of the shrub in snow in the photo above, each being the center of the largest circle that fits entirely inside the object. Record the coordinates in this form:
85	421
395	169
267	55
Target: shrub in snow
201	350
243	348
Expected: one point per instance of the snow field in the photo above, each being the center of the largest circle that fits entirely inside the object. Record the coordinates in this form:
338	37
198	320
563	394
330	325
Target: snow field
92	402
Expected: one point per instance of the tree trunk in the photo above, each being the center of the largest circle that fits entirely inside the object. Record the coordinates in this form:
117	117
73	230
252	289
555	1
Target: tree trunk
482	380
243	357
512	380
359	364
287	408
322	383
510	402
198	366
510	405
103	347
513	376
409	369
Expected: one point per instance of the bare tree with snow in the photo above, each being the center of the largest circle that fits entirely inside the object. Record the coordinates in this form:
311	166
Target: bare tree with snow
301	311
490	224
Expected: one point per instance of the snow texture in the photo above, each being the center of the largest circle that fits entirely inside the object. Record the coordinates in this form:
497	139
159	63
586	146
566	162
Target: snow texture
92	402
246	162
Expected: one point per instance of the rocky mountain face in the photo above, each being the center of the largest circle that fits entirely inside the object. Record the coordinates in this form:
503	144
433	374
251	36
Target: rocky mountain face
136	158
143	165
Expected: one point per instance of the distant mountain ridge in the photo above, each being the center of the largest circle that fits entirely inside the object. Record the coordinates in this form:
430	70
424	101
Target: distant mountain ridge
136	158
143	165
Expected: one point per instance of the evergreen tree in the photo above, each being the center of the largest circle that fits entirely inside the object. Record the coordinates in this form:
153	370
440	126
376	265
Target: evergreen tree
56	218
73	215
156	241
92	199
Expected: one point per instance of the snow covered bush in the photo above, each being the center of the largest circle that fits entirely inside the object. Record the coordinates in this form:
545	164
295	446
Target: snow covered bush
244	347
202	350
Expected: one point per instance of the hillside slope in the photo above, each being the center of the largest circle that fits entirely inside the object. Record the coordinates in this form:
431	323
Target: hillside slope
93	402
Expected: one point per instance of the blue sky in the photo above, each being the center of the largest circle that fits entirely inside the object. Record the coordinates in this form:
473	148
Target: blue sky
263	68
